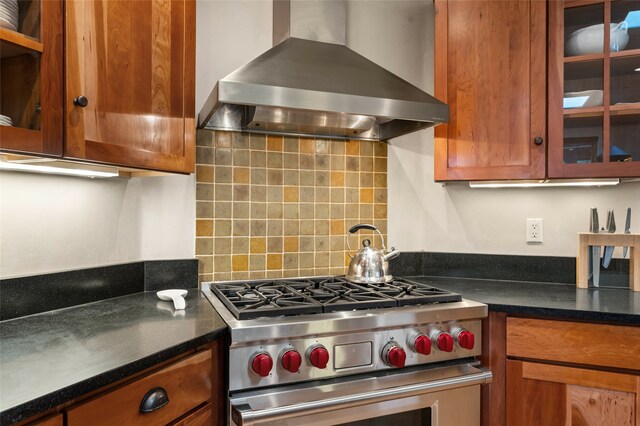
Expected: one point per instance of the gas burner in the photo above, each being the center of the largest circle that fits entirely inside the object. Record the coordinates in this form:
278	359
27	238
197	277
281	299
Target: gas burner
255	299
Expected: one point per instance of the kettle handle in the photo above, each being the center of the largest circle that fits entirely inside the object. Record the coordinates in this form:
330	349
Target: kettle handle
356	228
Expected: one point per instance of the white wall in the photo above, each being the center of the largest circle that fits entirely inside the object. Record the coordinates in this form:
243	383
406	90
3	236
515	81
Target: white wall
55	223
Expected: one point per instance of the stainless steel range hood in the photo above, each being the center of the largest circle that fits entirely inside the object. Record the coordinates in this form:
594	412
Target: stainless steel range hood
314	88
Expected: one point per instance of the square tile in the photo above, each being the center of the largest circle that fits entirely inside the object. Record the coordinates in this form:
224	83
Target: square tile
307	178
258	227
258	159
258	142
322	227
291	144
222	157
223	139
274	160
292	244
307	162
291	177
241	210
204	209
223	192
240	245
307	211
307	243
274	194
291	211
204	137
258	210
240	228
241	157
323	195
241	193
274	210
240	140
204	192
258	193
352	148
204	174
204	228
274	177
258	176
291	194
323	162
274	143
274	228
222	263
290	161
307	145
204	155
240	262
258	245
204	246
274	261
291	227
205	264
275	244
222	245
290	261
257	262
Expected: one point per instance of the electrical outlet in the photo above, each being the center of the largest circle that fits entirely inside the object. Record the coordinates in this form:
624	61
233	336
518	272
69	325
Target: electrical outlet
534	230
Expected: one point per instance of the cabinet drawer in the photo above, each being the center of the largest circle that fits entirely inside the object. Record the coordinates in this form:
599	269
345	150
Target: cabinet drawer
603	345
187	384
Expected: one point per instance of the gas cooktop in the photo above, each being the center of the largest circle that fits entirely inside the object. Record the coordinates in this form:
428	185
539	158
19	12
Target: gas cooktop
271	298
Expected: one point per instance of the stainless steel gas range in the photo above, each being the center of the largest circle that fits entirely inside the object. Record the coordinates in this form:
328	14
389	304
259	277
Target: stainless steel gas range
324	351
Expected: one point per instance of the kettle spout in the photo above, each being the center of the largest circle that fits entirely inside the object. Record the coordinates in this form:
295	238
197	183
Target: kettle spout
391	255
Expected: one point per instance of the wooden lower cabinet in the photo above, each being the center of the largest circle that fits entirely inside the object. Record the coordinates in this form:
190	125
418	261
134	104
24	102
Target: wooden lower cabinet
200	417
186	384
543	394
560	373
193	384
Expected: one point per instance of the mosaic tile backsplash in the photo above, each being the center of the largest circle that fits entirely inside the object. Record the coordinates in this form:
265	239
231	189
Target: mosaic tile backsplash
273	206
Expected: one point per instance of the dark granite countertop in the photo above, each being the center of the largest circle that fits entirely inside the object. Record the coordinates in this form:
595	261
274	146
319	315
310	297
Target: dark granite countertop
50	358
563	301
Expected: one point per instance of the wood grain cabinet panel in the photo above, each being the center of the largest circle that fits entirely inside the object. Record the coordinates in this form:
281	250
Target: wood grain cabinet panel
490	61
612	346
542	394
188	384
55	420
134	62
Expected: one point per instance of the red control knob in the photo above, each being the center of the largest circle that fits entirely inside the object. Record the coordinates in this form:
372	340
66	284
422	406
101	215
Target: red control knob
261	364
422	344
444	342
466	339
291	361
319	357
396	357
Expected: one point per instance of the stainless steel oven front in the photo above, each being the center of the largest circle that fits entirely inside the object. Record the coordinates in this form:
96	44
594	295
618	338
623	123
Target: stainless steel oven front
436	396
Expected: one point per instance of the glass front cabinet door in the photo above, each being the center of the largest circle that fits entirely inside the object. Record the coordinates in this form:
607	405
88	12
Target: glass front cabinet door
594	89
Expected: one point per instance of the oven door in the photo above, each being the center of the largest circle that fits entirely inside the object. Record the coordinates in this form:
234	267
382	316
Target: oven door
438	397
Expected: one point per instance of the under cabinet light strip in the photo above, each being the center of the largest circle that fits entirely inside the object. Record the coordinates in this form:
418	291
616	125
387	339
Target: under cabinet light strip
543	183
37	168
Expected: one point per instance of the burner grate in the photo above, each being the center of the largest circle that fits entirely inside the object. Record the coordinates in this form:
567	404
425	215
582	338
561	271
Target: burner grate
254	299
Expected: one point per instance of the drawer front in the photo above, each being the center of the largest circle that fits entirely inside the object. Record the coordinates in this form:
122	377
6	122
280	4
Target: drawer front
603	345
187	384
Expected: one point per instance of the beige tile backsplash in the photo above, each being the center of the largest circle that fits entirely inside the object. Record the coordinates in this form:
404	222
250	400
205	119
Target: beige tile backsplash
273	206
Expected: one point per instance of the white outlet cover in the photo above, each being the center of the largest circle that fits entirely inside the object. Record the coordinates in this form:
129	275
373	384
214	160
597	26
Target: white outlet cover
535	231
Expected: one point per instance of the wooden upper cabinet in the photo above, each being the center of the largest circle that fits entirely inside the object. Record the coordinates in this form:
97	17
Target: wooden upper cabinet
594	89
134	64
490	63
31	76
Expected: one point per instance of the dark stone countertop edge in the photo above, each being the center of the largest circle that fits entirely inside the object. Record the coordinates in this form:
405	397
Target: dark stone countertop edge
51	400
520	307
559	313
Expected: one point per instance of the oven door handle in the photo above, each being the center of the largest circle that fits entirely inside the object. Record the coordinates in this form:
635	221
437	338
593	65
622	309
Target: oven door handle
243	415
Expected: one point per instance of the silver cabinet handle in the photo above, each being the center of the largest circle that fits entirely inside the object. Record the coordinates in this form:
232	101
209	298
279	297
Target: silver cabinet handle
244	415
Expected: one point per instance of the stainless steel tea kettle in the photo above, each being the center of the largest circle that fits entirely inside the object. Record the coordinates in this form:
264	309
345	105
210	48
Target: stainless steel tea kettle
369	265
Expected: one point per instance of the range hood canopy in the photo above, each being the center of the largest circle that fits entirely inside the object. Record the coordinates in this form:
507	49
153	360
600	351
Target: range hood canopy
312	88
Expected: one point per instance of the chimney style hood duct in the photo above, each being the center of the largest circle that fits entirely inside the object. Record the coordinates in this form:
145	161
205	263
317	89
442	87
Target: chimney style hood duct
314	88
